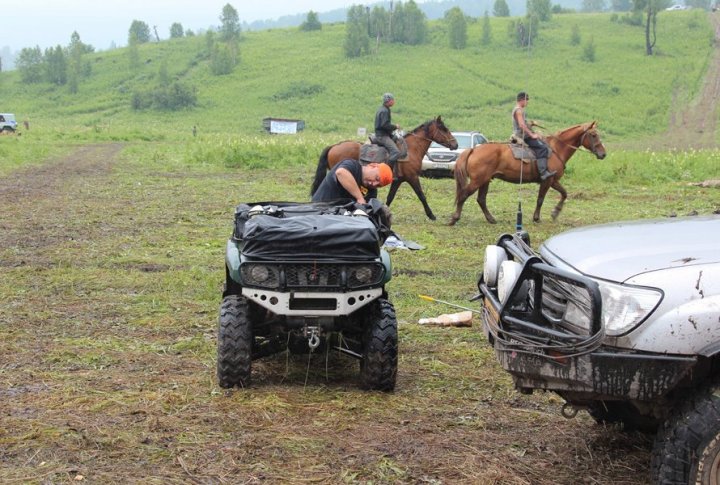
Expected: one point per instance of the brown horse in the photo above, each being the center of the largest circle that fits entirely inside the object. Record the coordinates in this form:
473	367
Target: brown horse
495	160
406	170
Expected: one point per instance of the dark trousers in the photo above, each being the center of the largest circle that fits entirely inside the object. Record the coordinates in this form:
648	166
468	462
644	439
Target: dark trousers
390	146
541	152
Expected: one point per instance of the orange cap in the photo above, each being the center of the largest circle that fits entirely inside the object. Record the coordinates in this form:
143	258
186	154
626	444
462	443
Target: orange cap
386	175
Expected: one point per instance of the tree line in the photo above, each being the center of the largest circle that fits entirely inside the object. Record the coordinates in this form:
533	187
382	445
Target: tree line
365	30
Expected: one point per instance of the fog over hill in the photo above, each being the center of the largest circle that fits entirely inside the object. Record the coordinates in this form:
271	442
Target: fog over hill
160	22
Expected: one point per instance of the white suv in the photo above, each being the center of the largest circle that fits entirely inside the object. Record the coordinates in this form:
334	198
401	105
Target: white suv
621	320
439	161
7	122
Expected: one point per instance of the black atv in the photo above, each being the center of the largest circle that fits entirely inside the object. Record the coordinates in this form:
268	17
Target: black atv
306	276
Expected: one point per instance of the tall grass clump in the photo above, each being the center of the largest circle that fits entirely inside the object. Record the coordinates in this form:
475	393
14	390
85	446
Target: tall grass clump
253	152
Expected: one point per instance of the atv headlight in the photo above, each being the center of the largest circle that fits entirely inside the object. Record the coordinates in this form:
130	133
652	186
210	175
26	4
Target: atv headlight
626	307
264	275
362	274
259	273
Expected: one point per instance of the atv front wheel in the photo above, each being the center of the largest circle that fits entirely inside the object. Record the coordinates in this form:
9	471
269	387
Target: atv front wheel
687	448
235	339
378	366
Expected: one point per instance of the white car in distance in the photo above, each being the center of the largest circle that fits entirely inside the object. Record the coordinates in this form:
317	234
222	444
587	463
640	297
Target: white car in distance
439	161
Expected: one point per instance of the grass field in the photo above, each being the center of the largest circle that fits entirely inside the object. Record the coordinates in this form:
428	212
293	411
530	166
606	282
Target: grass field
112	236
112	262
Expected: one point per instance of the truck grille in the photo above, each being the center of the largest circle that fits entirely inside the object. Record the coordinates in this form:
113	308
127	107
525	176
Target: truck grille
442	157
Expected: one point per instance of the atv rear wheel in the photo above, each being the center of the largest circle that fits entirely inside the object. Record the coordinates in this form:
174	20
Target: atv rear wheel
235	339
687	448
378	366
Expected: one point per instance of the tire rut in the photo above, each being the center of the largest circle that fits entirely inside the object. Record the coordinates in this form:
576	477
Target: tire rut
43	205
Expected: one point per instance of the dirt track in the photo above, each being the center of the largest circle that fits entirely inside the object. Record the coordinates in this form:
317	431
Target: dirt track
106	365
694	125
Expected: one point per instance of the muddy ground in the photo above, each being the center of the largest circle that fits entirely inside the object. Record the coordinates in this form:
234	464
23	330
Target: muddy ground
107	366
107	355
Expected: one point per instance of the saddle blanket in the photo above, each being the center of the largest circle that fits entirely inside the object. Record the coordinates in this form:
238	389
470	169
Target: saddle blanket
521	152
372	153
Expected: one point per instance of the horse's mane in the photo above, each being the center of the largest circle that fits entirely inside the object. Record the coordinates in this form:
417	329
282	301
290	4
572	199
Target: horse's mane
424	126
557	134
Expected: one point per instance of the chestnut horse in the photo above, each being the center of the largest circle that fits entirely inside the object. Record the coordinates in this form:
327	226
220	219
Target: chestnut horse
406	170
495	160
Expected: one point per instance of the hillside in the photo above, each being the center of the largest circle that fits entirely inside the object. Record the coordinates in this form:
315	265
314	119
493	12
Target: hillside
293	74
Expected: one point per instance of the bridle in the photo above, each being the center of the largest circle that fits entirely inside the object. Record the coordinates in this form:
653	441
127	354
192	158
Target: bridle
426	129
581	145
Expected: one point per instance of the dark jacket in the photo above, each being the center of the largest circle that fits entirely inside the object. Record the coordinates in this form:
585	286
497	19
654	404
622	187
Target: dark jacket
383	124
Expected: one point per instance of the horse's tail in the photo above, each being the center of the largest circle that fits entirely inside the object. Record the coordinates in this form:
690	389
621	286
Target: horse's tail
321	170
461	172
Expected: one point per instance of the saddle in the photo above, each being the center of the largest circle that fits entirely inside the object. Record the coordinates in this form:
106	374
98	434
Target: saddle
520	150
371	152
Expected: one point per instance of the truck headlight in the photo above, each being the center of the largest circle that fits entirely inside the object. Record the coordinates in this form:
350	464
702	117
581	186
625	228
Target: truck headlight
626	307
494	257
509	272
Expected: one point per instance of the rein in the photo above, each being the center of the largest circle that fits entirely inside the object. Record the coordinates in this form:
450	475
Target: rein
579	147
426	128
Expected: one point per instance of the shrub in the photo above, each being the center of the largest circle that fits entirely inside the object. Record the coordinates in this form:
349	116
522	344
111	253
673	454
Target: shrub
589	51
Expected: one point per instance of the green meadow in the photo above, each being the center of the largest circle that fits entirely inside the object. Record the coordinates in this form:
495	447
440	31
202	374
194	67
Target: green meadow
114	222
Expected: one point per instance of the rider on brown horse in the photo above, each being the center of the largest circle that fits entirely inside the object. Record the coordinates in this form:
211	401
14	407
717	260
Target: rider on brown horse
384	129
523	132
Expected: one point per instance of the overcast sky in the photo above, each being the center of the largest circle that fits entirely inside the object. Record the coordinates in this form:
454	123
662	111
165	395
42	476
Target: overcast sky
27	23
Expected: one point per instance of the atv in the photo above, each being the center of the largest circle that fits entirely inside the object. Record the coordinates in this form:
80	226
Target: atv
623	321
306	277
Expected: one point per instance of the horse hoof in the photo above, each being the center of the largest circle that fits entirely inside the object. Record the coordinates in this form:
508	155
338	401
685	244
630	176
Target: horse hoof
492	221
432	217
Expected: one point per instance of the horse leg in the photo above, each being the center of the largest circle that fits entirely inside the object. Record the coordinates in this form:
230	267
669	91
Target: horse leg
544	186
563	195
415	184
460	199
393	189
482	201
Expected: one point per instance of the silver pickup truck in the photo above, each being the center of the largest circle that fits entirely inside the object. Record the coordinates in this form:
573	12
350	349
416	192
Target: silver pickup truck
623	321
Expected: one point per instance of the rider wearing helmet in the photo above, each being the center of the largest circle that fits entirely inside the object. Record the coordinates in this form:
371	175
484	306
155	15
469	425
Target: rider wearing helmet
384	129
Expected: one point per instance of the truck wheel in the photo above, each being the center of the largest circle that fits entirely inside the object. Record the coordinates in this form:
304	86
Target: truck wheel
612	412
378	366
687	448
235	339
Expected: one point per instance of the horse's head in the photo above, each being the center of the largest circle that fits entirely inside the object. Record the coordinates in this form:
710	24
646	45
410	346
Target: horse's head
439	133
590	139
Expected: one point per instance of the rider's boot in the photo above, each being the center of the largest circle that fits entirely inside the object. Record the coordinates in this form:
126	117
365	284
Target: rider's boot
545	174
